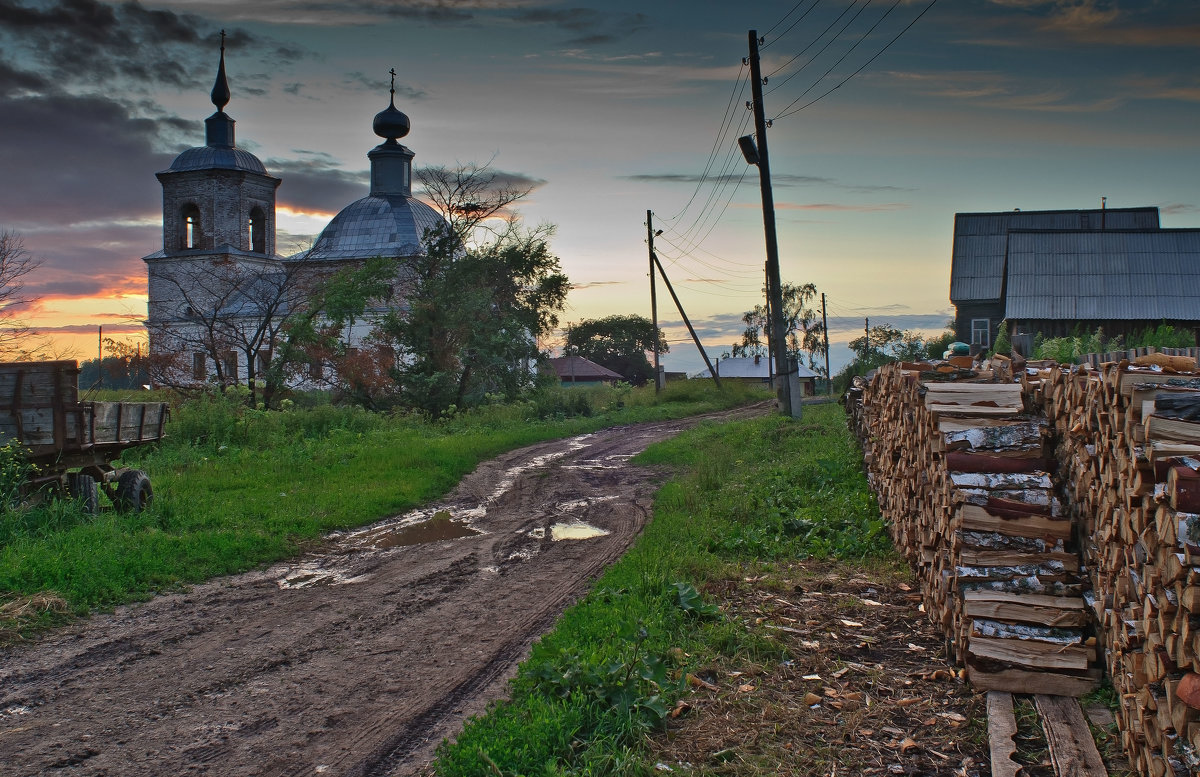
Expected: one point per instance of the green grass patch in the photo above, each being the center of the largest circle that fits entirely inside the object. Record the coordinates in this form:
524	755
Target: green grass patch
237	487
618	661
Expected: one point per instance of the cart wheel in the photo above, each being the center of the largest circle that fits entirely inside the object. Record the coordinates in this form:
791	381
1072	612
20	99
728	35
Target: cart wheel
133	491
84	489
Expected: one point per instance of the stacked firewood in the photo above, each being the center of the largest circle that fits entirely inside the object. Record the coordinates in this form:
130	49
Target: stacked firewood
959	463
1130	454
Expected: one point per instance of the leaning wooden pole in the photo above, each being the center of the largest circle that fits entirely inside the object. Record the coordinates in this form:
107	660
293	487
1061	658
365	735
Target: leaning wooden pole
691	331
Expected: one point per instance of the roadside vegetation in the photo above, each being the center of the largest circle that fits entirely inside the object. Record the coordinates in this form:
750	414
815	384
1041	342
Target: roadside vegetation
237	487
748	500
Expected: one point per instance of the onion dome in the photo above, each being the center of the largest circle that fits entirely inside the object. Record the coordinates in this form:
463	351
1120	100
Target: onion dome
391	123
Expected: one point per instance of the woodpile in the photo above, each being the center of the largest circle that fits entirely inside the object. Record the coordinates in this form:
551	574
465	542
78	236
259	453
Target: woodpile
960	462
1129	447
1055	523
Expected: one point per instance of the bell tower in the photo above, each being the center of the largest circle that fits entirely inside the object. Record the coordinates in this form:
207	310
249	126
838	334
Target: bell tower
218	198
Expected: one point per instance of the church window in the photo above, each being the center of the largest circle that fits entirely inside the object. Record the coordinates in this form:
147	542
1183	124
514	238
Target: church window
258	231
199	368
231	365
191	226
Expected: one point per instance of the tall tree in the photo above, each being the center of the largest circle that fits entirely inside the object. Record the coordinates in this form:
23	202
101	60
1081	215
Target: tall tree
474	314
619	343
805	332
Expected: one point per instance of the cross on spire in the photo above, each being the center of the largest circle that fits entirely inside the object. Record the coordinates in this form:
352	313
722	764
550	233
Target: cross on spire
393	72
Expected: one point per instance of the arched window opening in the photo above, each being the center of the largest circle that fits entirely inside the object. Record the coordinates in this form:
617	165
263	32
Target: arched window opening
258	231
191	226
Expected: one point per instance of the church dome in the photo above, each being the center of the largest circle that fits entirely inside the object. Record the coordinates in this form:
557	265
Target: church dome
211	158
377	225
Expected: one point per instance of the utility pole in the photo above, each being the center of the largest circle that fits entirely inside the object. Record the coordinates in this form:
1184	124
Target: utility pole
767	331
825	332
100	356
650	234
775	289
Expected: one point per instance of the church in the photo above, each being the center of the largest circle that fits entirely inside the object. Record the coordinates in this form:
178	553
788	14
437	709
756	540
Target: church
218	291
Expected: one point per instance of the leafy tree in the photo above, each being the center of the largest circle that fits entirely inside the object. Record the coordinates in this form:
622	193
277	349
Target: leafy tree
474	314
881	344
1003	344
805	332
935	347
619	343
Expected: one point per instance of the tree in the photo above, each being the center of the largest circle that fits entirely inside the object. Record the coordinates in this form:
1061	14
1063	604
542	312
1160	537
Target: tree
474	314
805	333
619	343
469	195
16	338
225	314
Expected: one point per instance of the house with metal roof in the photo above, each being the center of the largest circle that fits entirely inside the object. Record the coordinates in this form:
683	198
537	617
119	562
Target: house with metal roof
755	370
578	371
1055	271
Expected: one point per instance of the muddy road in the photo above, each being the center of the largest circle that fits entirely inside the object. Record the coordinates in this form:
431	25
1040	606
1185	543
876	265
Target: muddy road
356	659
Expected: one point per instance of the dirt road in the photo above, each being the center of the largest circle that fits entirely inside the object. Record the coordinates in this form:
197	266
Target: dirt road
353	660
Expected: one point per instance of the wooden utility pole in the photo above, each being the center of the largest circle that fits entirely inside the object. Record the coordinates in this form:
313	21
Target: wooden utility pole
825	332
100	356
775	289
679	305
653	299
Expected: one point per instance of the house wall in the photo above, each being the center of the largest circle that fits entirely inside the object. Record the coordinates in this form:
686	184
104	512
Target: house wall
992	310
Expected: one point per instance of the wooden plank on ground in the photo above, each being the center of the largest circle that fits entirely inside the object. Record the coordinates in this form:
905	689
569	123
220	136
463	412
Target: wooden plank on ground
1002	730
1072	748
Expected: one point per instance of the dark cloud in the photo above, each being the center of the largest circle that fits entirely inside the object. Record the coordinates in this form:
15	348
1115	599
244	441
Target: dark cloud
382	85
90	43
102	160
314	183
778	179
97	261
591	26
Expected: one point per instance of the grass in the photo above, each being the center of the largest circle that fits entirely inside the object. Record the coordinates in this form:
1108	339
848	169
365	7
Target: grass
616	666
236	488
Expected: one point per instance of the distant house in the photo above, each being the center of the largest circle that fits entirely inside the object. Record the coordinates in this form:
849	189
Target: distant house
1052	272
755	371
576	370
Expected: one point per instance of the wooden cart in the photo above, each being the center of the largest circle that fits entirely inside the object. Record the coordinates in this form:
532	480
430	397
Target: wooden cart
74	443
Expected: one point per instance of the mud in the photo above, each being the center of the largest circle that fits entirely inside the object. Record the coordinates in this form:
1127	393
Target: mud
356	659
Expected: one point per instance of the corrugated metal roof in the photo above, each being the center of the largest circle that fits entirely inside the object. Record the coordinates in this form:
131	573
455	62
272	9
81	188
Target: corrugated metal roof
977	265
1132	275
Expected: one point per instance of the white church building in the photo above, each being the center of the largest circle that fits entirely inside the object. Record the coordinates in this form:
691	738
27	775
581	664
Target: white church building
218	292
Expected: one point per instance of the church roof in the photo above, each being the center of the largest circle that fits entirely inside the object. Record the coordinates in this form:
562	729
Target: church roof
377	225
210	158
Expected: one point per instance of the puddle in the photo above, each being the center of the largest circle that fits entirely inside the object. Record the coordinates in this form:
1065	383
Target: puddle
312	574
571	530
575	530
440	527
580	504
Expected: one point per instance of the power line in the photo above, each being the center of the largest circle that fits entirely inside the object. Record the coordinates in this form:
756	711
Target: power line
814	41
722	131
785	113
847	53
793	24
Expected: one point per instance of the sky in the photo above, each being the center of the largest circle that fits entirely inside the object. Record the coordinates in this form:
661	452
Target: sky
881	131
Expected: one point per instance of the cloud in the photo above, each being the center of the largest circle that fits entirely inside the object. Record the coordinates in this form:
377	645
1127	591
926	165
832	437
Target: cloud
990	89
84	329
1178	209
90	43
835	206
381	86
596	284
315	182
105	173
1053	23
592	27
777	179
99	261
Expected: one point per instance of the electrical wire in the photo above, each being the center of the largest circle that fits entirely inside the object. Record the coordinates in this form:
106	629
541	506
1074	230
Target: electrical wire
726	121
767	43
847	53
786	112
815	40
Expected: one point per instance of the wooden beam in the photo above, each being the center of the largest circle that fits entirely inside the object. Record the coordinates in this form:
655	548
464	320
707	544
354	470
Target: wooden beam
1072	748
1002	730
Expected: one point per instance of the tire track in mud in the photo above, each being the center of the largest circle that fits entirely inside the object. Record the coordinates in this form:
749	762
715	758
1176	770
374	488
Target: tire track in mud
356	659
